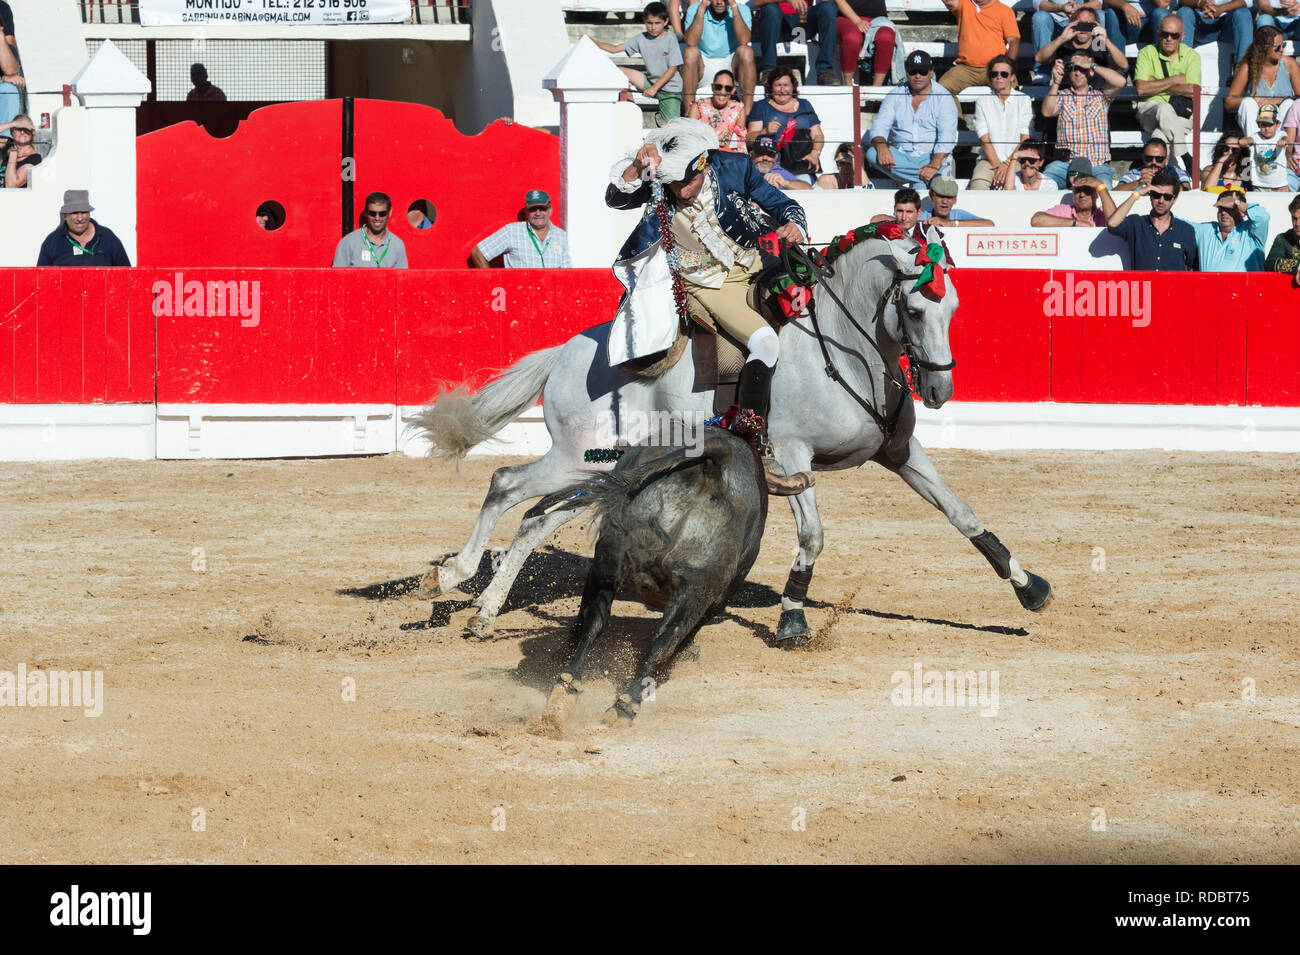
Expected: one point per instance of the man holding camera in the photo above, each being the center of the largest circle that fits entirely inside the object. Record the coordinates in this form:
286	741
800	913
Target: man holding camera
1165	74
1083	34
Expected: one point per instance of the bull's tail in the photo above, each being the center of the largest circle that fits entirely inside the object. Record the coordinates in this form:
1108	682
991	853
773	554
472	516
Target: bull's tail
456	421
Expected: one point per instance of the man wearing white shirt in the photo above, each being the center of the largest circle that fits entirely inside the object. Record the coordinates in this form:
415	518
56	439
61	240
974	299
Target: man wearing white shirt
1002	124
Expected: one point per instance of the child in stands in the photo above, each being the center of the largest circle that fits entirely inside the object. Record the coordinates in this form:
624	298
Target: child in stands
662	80
1267	143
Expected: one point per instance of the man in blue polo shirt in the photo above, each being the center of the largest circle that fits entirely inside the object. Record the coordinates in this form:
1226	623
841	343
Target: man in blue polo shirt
1235	242
718	34
81	240
1157	242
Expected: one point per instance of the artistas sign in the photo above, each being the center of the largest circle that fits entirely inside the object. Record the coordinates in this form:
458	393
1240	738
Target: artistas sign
168	13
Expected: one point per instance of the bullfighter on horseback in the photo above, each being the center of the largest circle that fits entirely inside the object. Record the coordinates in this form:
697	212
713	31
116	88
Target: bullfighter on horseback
697	245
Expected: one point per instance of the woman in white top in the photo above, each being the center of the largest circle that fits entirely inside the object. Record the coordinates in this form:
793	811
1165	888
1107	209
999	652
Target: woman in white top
1025	169
1002	123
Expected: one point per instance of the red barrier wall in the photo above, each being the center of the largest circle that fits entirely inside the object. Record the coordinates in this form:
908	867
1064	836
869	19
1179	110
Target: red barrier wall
325	336
197	206
73	335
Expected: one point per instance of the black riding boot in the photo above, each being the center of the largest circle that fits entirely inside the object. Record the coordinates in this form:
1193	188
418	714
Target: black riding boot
754	399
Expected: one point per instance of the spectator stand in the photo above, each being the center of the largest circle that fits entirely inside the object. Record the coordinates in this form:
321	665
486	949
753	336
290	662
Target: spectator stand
927	25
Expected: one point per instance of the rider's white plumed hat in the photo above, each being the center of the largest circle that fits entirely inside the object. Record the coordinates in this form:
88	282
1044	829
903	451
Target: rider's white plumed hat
681	142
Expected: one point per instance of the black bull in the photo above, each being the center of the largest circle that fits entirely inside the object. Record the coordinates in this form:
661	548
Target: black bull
680	527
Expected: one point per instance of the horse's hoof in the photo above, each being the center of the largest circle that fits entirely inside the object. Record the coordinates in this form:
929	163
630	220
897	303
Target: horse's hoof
428	587
792	630
1035	595
567	682
437	582
479	627
622	713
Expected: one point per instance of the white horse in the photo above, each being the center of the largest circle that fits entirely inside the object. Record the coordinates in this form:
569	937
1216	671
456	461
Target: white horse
817	422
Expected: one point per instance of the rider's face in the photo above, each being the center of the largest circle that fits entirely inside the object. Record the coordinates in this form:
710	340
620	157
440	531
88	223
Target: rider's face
687	189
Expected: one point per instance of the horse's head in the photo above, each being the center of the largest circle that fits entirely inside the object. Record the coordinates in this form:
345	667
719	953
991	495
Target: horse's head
929	302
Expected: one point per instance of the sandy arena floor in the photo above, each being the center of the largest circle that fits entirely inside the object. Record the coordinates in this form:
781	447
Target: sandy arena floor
1150	715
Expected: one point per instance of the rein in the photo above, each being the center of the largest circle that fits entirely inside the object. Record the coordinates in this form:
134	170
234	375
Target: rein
793	257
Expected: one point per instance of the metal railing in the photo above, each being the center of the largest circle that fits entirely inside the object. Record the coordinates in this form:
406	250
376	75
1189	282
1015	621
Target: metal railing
423	12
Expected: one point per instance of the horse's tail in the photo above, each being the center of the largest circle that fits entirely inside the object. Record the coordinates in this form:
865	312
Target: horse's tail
455	421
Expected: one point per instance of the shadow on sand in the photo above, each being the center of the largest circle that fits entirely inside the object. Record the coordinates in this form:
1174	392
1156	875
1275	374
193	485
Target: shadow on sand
550	574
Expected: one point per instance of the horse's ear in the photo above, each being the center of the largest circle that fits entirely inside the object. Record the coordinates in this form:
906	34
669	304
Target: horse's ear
904	250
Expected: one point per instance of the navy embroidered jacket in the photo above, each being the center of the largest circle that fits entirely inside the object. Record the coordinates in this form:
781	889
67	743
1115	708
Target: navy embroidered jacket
735	182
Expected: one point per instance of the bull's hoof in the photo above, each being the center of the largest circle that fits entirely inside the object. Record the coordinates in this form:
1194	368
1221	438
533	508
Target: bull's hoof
567	682
1035	595
622	713
792	630
479	627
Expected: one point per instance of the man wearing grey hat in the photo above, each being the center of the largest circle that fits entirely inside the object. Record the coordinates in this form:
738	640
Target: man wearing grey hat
80	240
938	209
534	244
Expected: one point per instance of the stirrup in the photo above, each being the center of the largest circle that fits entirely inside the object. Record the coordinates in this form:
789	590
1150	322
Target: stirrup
748	424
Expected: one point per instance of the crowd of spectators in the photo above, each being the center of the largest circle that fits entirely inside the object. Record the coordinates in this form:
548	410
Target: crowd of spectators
1078	70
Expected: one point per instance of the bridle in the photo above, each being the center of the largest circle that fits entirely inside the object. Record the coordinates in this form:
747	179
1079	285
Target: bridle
794	257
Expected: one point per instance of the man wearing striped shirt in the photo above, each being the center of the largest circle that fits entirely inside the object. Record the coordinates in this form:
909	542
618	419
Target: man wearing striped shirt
1084	128
534	244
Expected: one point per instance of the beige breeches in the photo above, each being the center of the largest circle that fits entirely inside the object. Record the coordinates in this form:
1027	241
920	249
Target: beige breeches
729	305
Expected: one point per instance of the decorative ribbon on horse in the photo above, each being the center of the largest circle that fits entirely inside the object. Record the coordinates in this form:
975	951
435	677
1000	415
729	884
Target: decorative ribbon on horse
931	277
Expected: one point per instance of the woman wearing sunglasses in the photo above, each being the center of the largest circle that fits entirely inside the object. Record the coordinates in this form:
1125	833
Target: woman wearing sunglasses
1002	124
1264	76
722	113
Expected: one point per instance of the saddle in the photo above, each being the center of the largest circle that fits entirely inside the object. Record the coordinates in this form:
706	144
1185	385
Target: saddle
718	357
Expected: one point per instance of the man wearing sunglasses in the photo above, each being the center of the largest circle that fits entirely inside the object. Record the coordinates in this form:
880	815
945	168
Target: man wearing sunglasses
372	246
913	135
1155	157
1164	70
534	244
1083	34
1234	242
1025	169
1157	241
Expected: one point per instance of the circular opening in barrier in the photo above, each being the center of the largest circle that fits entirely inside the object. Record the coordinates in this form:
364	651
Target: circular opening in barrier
270	215
421	215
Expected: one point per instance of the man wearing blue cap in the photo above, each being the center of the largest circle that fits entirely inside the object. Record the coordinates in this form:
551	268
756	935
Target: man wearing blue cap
534	244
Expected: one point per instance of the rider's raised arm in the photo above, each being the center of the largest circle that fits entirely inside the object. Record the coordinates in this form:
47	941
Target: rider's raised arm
622	193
